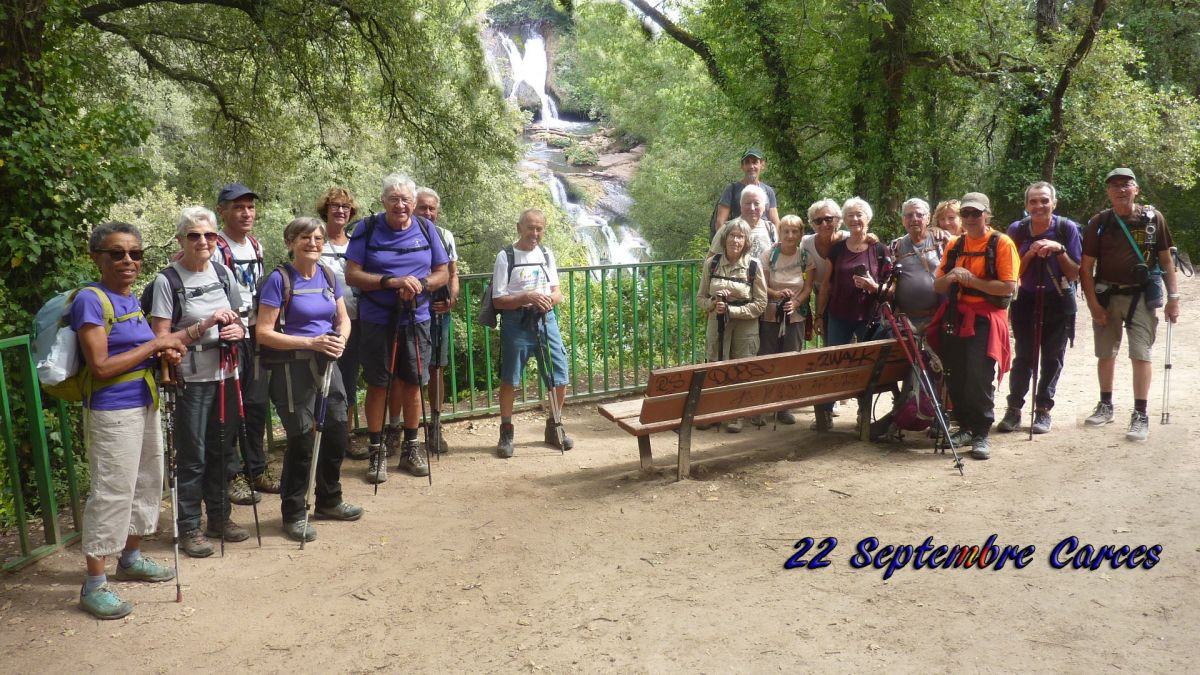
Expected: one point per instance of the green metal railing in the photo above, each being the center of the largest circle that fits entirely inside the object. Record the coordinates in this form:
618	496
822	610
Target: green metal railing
34	447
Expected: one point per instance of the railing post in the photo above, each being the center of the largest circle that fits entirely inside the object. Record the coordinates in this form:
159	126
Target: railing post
41	451
14	465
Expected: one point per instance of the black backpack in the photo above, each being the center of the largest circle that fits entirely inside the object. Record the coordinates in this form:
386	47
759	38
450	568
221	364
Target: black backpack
179	294
487	311
989	267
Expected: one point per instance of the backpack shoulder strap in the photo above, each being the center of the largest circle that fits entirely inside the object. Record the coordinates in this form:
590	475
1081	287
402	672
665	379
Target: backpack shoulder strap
223	276
960	244
106	306
716	262
776	249
175	283
285	296
258	249
989	260
225	251
510	256
751	273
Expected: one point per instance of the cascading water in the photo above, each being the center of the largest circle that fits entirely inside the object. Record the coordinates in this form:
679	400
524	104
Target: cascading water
531	68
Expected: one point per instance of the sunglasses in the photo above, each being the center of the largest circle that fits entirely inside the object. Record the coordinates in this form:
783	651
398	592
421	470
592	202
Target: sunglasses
118	254
195	236
970	213
825	219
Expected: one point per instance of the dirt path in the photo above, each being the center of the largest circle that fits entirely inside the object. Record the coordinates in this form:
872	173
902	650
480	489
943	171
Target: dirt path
579	563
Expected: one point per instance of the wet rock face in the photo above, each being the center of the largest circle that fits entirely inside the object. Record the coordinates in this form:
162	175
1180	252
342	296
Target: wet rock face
527	98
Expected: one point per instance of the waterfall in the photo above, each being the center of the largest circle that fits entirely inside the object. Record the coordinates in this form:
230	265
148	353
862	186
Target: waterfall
531	68
595	232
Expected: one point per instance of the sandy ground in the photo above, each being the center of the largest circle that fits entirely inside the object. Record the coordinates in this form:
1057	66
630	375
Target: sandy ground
578	562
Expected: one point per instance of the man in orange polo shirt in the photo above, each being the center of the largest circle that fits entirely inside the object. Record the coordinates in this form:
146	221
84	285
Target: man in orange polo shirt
979	271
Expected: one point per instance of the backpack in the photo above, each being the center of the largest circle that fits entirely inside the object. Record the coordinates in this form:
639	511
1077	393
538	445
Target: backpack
1024	232
368	231
751	271
989	267
488	314
179	293
226	252
60	365
270	356
917	411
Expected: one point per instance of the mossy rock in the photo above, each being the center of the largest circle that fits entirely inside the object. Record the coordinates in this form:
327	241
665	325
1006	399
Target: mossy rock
583	190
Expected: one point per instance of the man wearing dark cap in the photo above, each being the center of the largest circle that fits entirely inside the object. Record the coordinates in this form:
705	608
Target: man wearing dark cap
754	163
1126	263
979	272
243	255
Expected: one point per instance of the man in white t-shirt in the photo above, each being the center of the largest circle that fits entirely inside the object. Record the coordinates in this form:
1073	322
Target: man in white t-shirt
243	255
525	294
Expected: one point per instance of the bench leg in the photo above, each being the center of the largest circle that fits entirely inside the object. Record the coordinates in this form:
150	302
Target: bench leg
685	453
644	453
685	425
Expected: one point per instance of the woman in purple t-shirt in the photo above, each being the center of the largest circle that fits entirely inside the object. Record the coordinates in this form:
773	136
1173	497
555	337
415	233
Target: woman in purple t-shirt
121	420
303	328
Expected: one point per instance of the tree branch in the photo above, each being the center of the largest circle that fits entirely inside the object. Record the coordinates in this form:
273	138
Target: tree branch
688	40
1058	136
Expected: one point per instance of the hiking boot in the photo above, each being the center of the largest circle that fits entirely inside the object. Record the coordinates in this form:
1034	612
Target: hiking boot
823	421
834	412
552	437
980	447
103	603
1011	421
705	427
1041	422
233	531
758	421
240	493
1139	426
266	482
298	529
785	417
391	440
733	426
144	569
1103	414
358	451
342	511
376	465
195	544
412	460
881	429
504	449
961	438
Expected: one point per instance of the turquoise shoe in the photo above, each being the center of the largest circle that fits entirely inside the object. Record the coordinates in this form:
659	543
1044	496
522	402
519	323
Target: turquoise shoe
144	569
102	603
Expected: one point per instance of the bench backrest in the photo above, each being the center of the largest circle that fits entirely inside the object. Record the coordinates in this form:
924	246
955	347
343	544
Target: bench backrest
792	379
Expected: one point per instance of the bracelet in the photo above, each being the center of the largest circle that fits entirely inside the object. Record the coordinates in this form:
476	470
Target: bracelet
189	333
1172	296
424	285
384	279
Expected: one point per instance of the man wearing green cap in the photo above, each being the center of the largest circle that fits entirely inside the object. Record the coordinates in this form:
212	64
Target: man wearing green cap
1126	262
730	204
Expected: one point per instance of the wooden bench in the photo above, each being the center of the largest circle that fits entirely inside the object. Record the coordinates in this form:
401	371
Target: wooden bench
678	398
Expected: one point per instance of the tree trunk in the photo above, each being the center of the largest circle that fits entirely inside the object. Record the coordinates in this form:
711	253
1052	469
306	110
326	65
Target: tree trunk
23	43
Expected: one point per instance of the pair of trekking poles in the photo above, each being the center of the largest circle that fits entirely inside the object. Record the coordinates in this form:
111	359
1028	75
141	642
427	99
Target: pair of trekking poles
380	454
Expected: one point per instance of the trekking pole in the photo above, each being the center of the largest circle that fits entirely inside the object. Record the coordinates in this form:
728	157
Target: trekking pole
1038	317
434	434
412	323
226	509
320	406
380	454
169	384
1166	415
543	344
243	437
721	327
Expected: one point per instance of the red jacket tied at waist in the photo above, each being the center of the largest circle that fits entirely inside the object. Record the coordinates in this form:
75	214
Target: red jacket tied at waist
998	348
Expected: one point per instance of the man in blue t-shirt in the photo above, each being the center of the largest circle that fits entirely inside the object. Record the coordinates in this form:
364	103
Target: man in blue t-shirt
1050	248
396	259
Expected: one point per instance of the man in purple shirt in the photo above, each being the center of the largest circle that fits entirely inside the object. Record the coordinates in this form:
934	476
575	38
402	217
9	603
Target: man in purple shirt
395	258
1050	248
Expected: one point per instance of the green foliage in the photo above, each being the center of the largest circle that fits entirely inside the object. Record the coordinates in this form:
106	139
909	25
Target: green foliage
579	154
513	12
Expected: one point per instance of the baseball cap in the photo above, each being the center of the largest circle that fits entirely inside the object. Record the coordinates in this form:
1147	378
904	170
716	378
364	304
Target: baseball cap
1120	172
234	191
975	200
753	152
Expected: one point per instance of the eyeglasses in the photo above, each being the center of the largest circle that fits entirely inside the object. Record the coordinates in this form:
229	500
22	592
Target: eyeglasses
117	254
340	207
208	236
824	219
970	213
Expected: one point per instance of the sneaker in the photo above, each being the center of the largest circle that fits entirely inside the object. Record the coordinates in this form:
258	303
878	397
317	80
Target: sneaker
266	482
552	438
342	511
412	460
733	426
358	451
1139	427
1012	420
298	529
240	492
1103	414
980	447
834	412
103	603
233	531
391	440
144	569
785	417
961	438
1041	422
504	448
823	421
376	465
195	544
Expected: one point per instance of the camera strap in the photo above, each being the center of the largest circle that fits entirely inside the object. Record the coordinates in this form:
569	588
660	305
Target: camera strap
1151	234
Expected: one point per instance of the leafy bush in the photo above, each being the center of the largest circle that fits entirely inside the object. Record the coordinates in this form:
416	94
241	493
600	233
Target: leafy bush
579	154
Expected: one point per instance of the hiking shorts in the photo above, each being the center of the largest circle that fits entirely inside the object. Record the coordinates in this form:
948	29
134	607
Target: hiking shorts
1141	329
518	342
376	351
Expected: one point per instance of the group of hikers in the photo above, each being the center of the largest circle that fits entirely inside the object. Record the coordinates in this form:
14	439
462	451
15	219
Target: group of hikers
371	296
958	280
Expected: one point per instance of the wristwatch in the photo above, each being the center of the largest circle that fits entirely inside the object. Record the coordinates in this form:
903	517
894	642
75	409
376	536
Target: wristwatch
384	279
424	285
